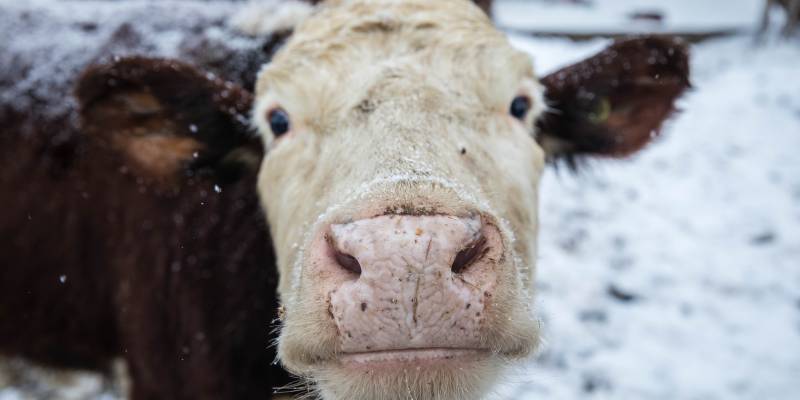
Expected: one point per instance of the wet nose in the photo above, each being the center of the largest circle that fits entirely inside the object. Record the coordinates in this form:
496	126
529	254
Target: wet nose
432	243
412	281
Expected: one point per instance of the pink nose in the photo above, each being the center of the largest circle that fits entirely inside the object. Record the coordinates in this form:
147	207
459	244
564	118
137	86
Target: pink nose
413	281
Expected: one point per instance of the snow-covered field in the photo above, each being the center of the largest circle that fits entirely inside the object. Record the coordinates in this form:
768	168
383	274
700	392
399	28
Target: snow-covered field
702	230
676	274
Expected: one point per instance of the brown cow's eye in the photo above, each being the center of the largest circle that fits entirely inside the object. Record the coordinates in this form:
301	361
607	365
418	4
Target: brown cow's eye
520	106
278	121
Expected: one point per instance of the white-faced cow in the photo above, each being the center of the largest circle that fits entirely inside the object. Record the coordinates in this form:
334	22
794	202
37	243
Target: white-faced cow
398	154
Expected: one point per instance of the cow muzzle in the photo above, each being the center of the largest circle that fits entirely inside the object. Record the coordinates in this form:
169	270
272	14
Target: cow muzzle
408	288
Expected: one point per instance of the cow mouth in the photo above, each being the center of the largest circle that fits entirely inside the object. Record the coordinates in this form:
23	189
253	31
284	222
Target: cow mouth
417	357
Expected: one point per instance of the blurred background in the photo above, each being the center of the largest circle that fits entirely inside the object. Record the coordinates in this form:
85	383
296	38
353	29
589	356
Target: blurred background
671	275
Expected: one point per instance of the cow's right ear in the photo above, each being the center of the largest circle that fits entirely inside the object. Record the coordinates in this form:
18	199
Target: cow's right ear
168	118
615	102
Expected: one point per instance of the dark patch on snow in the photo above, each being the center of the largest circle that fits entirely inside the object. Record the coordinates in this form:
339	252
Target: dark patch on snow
650	16
594	382
593	316
763	238
553	359
621	295
572	241
620	262
686	309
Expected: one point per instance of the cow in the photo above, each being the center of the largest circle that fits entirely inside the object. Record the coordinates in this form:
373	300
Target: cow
378	205
86	235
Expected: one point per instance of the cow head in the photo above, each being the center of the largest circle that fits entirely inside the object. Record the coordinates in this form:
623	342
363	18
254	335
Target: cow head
404	146
401	186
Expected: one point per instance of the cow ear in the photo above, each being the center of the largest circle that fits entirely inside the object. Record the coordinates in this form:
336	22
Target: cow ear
168	119
614	103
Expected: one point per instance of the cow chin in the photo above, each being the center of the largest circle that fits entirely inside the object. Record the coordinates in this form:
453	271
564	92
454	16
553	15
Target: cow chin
310	346
434	374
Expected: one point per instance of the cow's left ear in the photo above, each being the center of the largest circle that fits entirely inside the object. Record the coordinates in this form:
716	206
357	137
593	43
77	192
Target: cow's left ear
613	103
168	119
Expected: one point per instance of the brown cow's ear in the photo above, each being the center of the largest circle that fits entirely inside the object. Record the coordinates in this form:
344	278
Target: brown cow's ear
614	103
168	118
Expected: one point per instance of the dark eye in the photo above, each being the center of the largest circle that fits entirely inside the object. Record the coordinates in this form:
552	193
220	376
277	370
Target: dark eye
520	106
278	121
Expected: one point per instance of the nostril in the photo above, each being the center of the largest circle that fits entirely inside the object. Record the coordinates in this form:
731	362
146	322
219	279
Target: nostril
469	255
348	262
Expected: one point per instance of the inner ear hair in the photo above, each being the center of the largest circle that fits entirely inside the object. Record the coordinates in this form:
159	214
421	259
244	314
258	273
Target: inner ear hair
166	117
614	103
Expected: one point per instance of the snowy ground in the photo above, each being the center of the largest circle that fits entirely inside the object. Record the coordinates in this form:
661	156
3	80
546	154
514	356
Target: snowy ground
676	274
702	230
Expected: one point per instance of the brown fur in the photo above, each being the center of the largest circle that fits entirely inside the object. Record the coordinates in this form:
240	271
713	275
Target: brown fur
615	102
108	251
104	261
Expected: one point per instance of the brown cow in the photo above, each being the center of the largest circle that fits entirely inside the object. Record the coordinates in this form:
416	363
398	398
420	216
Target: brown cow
99	260
404	143
115	246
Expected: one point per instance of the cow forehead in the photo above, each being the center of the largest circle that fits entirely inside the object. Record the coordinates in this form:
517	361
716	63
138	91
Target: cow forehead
367	49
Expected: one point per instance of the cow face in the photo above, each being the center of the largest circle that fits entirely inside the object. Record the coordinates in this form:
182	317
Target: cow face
405	244
401	182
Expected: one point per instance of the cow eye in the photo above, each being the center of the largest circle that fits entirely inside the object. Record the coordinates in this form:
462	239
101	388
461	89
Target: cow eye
520	106
278	121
